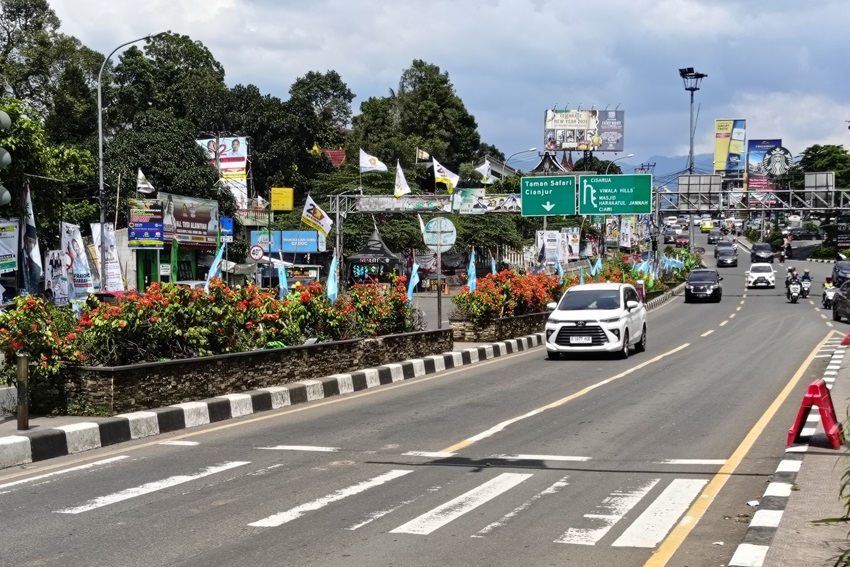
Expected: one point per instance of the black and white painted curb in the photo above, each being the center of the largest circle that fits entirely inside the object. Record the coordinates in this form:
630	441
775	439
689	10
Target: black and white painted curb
665	297
753	550
819	261
36	446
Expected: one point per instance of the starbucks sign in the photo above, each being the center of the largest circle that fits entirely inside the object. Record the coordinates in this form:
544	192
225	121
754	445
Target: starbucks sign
777	161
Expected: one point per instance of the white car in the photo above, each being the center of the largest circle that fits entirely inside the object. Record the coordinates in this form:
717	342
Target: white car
598	317
761	275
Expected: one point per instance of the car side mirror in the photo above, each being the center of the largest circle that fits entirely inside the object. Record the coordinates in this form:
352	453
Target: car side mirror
632	304
551	306
720	279
747	273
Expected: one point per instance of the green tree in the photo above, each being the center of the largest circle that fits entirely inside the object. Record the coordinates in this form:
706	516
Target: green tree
827	158
331	100
598	165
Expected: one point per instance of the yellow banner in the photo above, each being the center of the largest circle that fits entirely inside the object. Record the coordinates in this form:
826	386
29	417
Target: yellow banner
722	138
283	198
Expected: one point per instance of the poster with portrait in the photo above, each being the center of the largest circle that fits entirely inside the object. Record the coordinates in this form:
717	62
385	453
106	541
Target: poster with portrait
625	232
56	277
189	219
113	280
76	262
8	246
230	156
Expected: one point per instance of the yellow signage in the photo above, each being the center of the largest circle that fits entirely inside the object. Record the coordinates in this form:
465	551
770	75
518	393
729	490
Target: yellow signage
283	198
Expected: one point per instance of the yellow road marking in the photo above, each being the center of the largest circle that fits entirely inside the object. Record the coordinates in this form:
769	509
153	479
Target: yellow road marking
676	537
501	426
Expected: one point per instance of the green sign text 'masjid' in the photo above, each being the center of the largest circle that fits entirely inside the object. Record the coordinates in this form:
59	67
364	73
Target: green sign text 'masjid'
543	196
615	194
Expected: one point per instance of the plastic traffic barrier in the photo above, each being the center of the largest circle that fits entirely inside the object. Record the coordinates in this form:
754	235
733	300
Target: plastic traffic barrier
817	394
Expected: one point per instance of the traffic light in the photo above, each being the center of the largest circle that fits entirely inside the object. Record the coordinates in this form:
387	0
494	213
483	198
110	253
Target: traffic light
5	159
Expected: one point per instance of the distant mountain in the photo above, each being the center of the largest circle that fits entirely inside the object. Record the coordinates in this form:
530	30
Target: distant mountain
668	169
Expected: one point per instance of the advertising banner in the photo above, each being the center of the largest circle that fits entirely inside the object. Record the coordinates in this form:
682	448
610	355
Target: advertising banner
626	224
113	280
77	263
594	130
193	221
757	175
470	201
729	138
289	241
144	228
568	244
231	157
56	277
8	246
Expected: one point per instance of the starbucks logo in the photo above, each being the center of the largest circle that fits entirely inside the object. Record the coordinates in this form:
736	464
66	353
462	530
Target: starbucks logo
777	161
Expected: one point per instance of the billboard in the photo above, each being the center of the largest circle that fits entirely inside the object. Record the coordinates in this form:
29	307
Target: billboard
729	138
190	220
593	130
757	175
144	229
231	157
289	241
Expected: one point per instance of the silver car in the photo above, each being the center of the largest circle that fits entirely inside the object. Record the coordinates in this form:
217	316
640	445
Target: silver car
597	317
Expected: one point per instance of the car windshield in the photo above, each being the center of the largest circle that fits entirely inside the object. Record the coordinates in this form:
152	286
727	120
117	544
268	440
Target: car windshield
761	269
761	248
726	251
577	300
702	277
722	243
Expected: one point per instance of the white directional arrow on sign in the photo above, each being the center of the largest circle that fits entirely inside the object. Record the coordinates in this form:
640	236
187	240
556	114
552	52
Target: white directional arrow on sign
548	206
589	193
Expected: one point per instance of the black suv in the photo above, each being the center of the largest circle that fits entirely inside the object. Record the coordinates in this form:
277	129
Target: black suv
703	284
803	234
761	252
840	273
715	235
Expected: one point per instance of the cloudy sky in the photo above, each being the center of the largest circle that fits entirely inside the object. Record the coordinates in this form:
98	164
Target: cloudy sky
777	64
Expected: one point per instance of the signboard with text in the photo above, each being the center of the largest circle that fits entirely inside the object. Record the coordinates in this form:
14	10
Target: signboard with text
615	194
145	226
543	196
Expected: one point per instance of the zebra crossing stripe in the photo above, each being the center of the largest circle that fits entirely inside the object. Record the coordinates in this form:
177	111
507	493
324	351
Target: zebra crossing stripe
453	509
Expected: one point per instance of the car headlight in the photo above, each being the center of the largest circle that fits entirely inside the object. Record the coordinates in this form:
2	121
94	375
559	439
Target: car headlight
610	320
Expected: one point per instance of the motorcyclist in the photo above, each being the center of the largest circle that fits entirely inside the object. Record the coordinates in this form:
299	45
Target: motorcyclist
827	284
790	276
806	276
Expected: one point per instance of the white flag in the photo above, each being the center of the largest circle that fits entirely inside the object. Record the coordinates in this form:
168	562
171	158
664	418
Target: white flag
443	175
315	217
370	163
401	186
143	185
421	225
422	155
484	170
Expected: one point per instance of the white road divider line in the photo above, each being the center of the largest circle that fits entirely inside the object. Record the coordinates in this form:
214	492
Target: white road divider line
301	448
539	458
737	309
732	316
381	513
178	443
276	520
659	517
611	511
457	507
554	489
72	469
720	462
429	454
705	334
722	323
150	487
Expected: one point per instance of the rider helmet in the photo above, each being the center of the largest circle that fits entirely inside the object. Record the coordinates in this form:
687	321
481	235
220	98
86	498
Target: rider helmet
828	279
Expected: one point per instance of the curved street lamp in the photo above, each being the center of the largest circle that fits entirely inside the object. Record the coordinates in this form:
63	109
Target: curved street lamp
618	159
505	163
100	152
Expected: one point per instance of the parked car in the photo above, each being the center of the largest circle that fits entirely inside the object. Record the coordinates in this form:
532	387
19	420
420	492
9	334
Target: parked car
761	252
191	283
841	302
840	272
597	317
714	236
803	234
726	256
761	275
703	284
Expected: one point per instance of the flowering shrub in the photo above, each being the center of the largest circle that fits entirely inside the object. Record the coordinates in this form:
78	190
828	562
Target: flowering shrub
506	294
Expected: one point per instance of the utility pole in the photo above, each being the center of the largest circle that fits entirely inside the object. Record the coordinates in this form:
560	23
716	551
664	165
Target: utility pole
692	80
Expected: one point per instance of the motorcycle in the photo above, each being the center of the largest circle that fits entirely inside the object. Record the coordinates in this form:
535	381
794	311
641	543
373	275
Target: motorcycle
804	292
828	296
781	256
793	291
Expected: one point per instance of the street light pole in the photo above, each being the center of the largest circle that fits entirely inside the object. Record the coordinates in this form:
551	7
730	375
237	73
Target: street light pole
618	159
101	199
692	80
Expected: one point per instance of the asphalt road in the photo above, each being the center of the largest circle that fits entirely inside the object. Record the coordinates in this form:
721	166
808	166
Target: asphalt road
515	461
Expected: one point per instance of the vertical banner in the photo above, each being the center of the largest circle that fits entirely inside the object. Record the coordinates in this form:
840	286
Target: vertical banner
113	280
8	246
145	227
31	253
230	156
729	138
77	262
625	232
175	263
56	277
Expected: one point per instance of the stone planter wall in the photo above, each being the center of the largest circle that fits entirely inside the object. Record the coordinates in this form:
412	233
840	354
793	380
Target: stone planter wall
122	389
500	329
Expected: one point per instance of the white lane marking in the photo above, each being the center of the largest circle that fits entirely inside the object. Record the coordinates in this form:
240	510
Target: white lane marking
179	443
742	302
150	487
455	508
808	431
732	316
660	516
749	555
381	513
789	466
705	334
539	457
766	518
300	448
723	323
829	324
294	513
782	489
554	489
822	356
813	416
737	309
611	511
56	473
720	462
431	454
797	449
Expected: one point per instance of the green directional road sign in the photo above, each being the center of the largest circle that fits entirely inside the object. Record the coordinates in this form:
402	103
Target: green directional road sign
543	196
615	194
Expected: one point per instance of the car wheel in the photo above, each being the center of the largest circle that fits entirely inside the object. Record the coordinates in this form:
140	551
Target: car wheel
624	352
687	298
835	315
641	346
552	355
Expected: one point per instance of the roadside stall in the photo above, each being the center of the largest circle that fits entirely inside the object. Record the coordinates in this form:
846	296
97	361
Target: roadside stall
374	263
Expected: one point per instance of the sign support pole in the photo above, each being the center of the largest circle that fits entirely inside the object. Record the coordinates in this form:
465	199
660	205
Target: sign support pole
439	276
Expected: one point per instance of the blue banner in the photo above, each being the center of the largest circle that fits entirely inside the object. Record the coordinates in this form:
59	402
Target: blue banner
289	241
